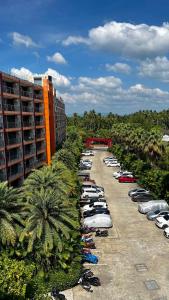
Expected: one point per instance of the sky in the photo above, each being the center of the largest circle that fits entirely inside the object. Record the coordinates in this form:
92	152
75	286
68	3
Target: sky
110	56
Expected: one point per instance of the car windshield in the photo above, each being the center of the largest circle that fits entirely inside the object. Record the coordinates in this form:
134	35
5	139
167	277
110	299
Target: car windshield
156	211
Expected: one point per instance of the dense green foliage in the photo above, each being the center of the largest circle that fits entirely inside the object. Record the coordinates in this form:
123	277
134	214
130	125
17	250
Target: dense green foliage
137	143
39	231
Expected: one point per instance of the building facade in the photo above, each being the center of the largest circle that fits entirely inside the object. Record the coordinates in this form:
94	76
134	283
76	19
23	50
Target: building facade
60	120
27	127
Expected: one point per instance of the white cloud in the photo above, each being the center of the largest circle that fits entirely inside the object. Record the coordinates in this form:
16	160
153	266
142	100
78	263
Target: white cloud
119	67
59	80
75	40
157	68
22	40
139	41
57	58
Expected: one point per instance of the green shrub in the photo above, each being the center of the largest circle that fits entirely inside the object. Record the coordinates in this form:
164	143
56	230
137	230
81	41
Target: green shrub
14	278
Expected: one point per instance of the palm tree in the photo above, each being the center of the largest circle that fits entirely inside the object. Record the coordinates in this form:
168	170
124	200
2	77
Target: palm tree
50	216
46	178
10	214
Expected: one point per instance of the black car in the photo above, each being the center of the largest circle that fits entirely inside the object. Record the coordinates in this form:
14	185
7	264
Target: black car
95	212
142	197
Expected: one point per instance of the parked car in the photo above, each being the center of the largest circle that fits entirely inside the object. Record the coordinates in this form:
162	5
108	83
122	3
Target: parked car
91	200
94	205
86	161
107	158
137	191
152	205
123	173
162	222
84	167
142	197
98	221
166	232
96	211
90	193
93	189
113	164
84	175
114	160
89	184
126	179
152	215
88	153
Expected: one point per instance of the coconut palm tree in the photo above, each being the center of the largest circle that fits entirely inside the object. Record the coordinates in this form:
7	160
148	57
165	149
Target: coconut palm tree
50	216
10	214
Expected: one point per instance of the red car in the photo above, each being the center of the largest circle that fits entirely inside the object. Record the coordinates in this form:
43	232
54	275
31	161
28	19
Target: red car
127	179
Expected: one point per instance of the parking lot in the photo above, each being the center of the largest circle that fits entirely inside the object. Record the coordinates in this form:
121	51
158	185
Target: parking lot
134	259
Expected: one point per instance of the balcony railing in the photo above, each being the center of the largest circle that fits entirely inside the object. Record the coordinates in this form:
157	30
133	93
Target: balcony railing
29	164
26	94
13	140
38	109
28	138
15	170
39	122
11	107
38	96
1	141
28	123
13	124
29	151
2	160
14	156
10	90
2	175
26	108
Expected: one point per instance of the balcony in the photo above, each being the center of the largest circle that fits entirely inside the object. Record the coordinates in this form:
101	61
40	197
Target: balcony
15	172
41	160
26	94
39	122
13	140
41	147
29	164
13	124
11	108
39	109
27	108
3	175
2	144
29	150
28	123
13	157
28	139
38	96
2	159
10	90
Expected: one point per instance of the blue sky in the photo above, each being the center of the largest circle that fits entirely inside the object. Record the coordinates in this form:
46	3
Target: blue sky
103	55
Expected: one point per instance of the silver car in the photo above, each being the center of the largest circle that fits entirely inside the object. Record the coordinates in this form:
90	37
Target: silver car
152	215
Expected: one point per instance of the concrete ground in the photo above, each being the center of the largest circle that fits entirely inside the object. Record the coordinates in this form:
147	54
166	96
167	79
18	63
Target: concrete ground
134	259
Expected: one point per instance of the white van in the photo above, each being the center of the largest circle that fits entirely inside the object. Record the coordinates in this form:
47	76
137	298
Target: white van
152	205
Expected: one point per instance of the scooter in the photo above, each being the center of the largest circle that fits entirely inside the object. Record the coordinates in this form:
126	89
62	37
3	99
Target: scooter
90	245
85	284
88	275
86	229
102	233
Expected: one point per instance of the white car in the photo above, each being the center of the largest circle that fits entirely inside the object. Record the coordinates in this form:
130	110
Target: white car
162	222
144	208
94	205
110	160
93	189
88	153
99	220
113	164
107	158
125	173
90	194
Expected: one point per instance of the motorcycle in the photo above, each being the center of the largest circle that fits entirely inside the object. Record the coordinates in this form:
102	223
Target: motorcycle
91	258
102	233
90	245
56	294
86	229
85	284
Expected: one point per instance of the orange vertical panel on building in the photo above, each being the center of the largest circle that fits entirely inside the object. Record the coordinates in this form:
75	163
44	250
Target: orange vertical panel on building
49	118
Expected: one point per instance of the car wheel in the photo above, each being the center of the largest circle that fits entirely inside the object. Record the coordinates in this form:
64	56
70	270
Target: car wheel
164	226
